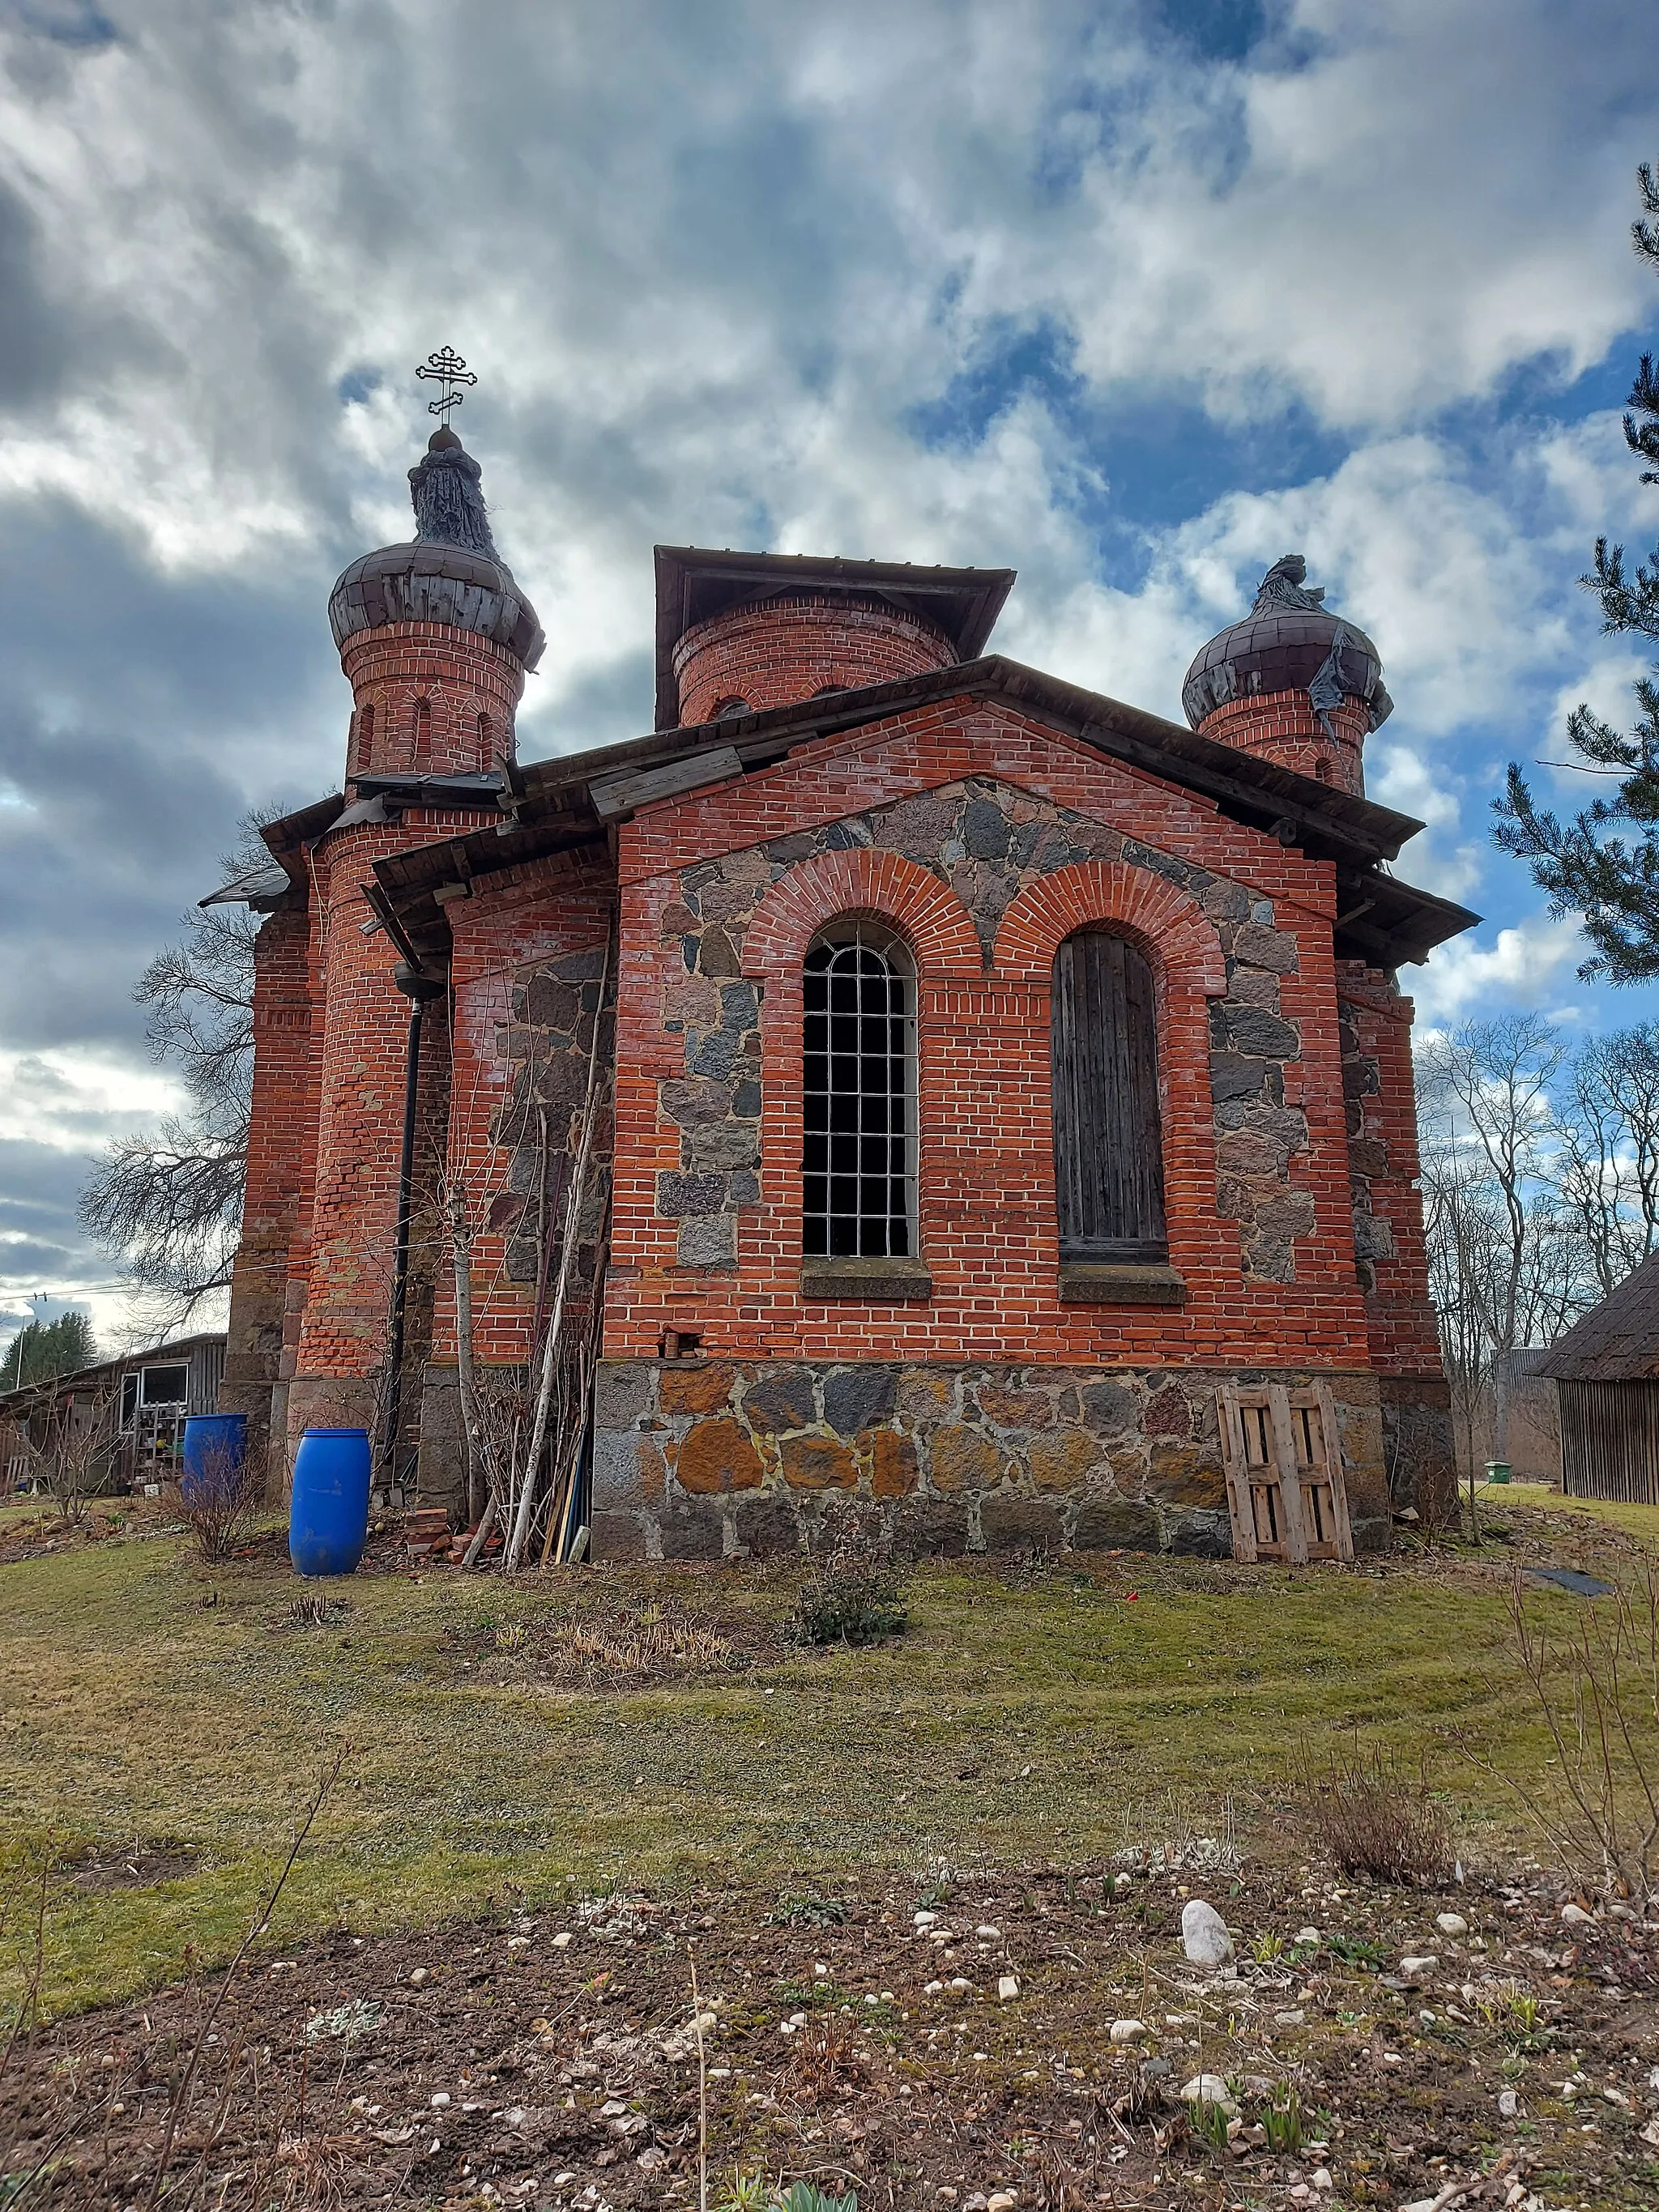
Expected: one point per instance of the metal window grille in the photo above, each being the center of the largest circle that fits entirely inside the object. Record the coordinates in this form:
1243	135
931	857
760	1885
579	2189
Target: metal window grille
858	1167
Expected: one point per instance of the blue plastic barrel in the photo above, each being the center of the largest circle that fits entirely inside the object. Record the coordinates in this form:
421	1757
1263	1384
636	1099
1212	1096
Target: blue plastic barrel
216	1445
328	1520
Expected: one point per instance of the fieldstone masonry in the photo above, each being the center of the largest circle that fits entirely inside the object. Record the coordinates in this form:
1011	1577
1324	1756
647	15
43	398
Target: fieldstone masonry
711	1459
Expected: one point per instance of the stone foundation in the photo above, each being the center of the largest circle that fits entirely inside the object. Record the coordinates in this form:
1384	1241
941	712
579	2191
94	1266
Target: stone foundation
706	1459
1419	1448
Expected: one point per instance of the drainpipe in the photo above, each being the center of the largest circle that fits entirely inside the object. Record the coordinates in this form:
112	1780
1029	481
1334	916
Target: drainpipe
417	987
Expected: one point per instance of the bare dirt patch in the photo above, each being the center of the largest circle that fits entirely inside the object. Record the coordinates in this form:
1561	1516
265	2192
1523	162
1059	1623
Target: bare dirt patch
137	1865
928	2043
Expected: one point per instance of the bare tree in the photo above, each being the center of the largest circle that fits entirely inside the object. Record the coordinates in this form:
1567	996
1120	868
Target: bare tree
1489	1083
1461	1230
1607	1119
168	1204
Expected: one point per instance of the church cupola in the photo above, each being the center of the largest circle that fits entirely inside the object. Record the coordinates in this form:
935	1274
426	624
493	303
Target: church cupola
435	635
741	633
1291	682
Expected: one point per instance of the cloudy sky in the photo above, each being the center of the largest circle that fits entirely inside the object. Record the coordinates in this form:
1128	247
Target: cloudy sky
1134	295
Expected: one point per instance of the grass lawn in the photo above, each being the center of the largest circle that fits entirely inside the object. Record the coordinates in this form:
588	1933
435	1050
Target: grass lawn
1032	1716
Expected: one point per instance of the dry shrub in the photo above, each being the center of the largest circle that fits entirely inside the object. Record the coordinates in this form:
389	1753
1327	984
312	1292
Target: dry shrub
856	1595
822	2064
220	1501
1376	1820
1595	1681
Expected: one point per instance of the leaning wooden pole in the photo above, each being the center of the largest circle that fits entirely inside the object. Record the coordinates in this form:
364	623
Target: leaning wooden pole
555	1322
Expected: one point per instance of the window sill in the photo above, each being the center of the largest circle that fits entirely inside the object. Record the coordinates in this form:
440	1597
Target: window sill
878	1282
1120	1283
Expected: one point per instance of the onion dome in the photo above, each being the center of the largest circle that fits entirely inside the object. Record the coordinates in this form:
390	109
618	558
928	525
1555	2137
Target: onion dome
1288	642
451	573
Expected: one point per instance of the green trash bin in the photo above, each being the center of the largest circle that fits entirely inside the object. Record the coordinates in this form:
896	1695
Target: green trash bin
1498	1470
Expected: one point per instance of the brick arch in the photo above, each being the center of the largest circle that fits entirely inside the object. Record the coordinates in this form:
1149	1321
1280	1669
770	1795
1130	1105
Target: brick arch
932	919
1170	925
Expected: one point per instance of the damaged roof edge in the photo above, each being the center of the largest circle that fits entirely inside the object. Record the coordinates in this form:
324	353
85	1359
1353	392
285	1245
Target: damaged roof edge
557	808
1358	828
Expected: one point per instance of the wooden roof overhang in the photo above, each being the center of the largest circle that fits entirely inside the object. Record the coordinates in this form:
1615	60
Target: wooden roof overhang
564	804
694	583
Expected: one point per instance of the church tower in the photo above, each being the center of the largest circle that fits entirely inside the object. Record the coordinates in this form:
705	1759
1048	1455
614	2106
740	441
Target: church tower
436	638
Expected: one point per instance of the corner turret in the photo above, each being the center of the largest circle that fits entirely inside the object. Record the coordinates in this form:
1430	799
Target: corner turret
1291	682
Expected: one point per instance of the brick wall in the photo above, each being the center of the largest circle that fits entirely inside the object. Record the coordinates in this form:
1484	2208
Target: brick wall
528	960
792	647
281	1132
1282	726
363	1047
1380	1099
983	839
429	700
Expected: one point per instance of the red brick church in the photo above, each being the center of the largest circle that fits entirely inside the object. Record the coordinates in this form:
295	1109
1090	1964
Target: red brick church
903	1076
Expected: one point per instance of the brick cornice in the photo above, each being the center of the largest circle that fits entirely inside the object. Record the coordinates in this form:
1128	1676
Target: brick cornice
1170	927
932	920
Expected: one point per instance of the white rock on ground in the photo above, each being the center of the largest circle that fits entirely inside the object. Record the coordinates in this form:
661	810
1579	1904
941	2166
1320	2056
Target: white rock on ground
1307	1935
1576	1917
1210	2089
1451	1923
1007	1987
1509	2104
1414	1968
1127	2031
1204	1935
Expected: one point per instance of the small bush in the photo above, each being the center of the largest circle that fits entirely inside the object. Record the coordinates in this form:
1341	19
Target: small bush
807	1910
855	1606
1377	1822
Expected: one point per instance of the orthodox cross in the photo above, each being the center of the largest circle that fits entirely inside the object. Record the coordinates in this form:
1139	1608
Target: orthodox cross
449	369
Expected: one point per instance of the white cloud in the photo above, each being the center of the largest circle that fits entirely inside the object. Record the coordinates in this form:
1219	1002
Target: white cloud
1518	968
74	1101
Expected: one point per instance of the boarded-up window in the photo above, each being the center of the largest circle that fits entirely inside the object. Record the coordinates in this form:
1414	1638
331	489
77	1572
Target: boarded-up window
858	1161
1284	1461
1108	1142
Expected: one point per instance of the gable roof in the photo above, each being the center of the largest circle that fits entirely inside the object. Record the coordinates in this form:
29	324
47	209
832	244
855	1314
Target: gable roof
694	583
552	805
1617	1341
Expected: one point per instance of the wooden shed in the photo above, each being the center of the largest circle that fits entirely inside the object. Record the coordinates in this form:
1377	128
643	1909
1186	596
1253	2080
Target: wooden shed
1605	1370
149	1396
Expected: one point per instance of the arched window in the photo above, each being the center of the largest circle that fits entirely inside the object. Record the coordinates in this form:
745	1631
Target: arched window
859	1155
722	707
486	740
363	756
423	734
1108	1140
